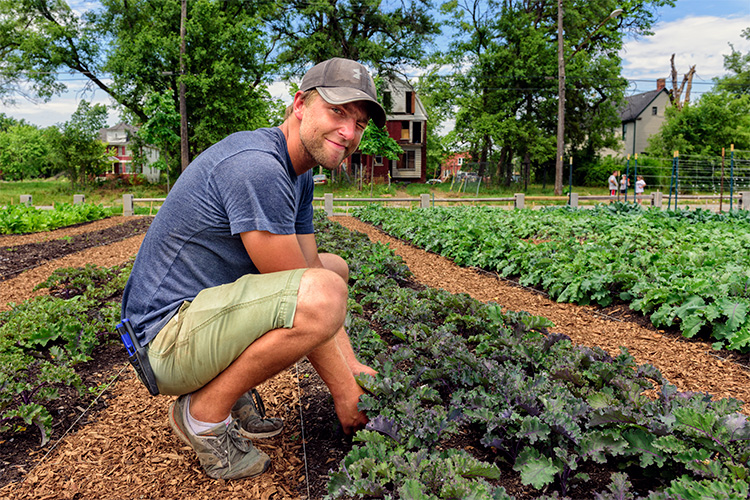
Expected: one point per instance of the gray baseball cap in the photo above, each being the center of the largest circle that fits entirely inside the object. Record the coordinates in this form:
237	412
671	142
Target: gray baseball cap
340	81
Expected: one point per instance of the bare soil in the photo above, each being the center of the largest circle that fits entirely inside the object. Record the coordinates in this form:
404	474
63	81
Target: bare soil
126	449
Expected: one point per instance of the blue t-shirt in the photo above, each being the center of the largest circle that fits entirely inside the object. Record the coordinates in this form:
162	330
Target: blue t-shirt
243	183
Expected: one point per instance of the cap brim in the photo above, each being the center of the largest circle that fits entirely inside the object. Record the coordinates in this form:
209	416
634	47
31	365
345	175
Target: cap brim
344	95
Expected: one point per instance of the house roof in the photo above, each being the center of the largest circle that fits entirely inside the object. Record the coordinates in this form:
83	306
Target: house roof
122	140
636	104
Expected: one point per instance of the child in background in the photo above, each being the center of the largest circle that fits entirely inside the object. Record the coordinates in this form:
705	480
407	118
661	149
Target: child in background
612	181
640	186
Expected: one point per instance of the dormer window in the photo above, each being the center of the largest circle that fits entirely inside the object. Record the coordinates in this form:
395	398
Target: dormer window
410	103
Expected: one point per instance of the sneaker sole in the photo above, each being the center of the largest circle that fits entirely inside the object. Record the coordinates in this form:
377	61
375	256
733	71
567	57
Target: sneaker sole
259	435
175	426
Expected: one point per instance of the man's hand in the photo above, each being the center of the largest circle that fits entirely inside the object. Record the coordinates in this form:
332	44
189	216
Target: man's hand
350	417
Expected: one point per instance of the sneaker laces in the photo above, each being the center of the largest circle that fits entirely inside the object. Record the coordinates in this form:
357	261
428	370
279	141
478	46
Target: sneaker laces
258	403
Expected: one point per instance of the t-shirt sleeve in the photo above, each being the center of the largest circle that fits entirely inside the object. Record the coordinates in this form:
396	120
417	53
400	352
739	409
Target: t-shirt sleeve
256	192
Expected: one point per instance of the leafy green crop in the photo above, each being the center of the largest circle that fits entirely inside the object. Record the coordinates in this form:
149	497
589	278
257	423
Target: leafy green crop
43	339
22	219
689	269
540	407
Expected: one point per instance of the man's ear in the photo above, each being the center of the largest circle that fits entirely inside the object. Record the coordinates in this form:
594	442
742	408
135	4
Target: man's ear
298	105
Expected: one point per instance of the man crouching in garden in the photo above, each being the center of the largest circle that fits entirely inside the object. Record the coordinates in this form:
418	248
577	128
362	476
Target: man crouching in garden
228	288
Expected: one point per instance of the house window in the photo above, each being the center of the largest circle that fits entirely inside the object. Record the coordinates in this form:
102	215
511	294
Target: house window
416	132
654	110
387	100
404	131
410	102
378	160
409	160
460	161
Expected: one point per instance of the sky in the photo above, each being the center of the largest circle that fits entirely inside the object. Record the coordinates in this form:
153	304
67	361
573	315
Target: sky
698	32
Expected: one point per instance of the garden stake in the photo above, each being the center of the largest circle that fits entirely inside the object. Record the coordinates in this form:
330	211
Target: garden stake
731	175
627	176
635	176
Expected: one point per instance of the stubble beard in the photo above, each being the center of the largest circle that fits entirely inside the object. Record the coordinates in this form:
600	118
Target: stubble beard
316	150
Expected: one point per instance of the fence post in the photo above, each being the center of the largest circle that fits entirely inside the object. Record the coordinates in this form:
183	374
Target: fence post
656	199
520	200
26	200
328	204
745	200
79	199
127	205
424	200
573	200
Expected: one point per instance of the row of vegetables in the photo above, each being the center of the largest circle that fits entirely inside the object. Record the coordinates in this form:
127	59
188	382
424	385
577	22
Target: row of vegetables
469	398
688	269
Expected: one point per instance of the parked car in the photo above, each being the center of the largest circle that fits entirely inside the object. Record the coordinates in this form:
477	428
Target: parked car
320	179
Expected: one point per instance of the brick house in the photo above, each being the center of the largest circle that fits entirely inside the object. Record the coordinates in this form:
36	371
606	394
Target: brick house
406	123
117	139
453	164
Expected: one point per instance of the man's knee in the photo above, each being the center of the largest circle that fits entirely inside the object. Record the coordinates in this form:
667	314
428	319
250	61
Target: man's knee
321	302
334	263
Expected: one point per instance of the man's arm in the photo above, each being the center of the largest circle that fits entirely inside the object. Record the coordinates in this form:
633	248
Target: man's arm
275	252
334	361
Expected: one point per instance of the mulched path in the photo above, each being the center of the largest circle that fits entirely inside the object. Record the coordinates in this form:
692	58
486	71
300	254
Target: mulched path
14	259
126	450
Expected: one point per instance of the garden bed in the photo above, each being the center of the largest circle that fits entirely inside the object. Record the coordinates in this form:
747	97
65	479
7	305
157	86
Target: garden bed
129	446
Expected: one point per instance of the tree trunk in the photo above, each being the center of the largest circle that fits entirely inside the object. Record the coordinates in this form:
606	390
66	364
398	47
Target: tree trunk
184	150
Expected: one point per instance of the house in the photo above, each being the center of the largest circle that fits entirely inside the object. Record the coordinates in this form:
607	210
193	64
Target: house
406	123
641	117
117	139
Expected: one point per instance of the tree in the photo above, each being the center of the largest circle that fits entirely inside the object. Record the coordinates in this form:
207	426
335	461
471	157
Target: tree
24	153
159	130
506	76
385	36
717	120
227	63
738	64
77	150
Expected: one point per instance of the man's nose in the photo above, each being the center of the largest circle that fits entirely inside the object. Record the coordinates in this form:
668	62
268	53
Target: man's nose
348	129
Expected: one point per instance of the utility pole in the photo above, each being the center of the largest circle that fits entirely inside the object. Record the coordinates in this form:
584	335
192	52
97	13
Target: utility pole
560	101
184	151
561	89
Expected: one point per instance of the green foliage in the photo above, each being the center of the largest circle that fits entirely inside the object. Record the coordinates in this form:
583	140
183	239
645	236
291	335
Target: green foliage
22	219
716	121
24	153
77	150
449	366
43	339
665	264
377	142
737	82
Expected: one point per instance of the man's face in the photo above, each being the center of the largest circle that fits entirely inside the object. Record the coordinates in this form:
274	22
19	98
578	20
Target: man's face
331	132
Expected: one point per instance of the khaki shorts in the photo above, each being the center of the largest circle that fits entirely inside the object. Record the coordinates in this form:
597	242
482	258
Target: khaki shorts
209	333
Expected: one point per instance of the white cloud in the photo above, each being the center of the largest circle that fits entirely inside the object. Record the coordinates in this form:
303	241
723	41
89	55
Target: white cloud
695	40
60	108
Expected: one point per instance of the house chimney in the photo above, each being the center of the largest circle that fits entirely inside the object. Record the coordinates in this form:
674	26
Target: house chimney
661	83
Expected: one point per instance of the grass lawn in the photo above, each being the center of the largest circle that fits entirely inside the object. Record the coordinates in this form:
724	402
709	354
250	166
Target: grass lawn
50	191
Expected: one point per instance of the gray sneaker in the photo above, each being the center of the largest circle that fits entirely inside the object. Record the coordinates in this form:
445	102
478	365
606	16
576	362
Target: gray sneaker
251	414
221	451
